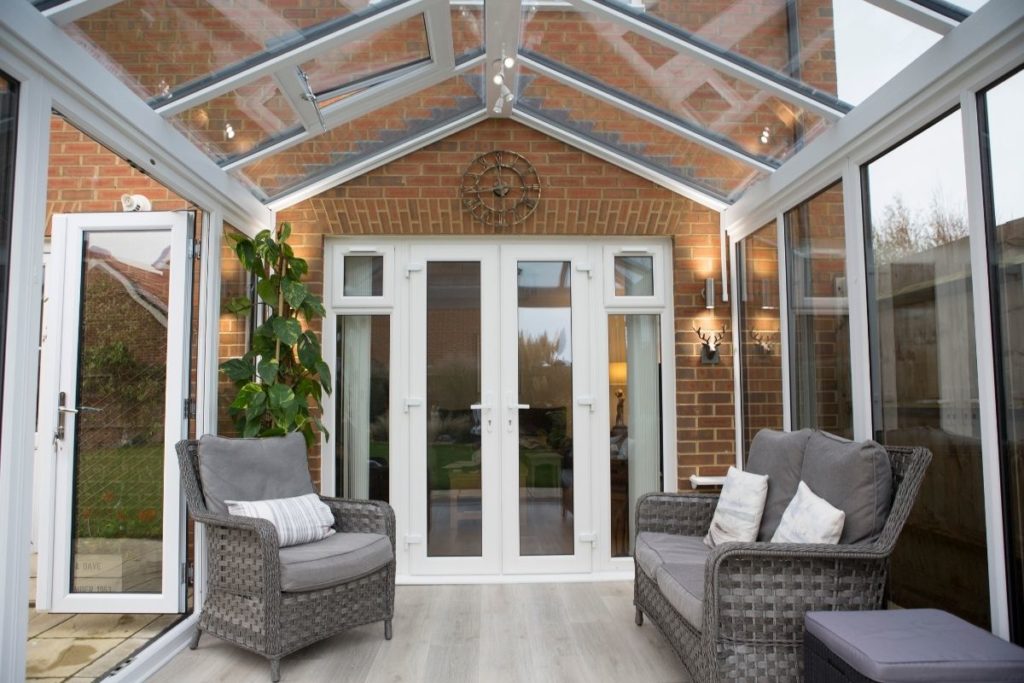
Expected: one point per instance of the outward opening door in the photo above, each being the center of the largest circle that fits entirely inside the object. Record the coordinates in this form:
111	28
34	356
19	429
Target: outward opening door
119	300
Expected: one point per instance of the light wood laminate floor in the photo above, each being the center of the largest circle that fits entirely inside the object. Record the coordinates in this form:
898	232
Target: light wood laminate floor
494	633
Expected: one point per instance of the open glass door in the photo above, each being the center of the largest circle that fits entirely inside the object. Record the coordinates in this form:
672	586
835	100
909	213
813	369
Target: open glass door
118	342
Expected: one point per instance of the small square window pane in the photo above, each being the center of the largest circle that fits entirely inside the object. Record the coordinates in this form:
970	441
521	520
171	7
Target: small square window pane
634	276
364	276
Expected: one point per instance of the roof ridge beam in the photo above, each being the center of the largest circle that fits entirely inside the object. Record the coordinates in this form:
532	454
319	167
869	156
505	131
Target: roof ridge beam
690	132
722	60
296	55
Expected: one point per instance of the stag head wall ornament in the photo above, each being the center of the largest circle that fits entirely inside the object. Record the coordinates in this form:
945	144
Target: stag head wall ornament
761	341
709	345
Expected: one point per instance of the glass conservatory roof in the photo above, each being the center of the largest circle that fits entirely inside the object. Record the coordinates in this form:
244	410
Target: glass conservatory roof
711	95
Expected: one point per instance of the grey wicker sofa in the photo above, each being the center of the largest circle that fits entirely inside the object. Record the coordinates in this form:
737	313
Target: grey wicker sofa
275	601
736	612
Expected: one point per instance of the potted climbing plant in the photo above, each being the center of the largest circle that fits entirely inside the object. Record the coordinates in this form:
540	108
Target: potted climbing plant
282	376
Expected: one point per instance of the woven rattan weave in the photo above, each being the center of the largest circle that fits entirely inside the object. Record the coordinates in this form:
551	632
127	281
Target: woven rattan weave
756	594
244	602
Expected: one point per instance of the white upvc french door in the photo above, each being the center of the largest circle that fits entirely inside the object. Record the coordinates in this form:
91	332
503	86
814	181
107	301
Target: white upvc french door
115	381
547	395
497	405
452	409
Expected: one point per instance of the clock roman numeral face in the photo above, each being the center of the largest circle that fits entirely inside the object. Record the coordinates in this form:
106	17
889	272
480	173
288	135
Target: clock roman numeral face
500	188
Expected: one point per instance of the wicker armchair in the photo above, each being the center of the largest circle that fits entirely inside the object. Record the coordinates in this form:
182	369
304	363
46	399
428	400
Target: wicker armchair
245	604
756	594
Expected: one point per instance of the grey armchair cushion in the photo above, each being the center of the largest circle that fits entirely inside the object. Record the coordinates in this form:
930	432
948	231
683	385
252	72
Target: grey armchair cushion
653	549
683	587
780	455
854	476
252	469
334	560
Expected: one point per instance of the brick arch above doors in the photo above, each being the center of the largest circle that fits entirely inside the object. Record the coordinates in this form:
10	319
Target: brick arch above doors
582	195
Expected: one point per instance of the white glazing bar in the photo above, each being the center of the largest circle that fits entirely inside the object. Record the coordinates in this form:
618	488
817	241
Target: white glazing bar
737	383
21	362
613	157
73	10
440	42
857	297
647	115
726	66
296	56
784	341
995	537
919	14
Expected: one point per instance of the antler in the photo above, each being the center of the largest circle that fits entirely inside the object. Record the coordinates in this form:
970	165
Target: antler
710	339
762	341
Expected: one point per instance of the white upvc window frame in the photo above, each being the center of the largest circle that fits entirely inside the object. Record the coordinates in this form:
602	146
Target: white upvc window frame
646	248
338	253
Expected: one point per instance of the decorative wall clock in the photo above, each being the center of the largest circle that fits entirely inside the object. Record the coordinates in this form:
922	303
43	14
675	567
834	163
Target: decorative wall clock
500	188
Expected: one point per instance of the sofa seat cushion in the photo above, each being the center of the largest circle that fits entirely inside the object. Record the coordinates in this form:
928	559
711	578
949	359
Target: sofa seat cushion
655	549
334	560
682	585
853	476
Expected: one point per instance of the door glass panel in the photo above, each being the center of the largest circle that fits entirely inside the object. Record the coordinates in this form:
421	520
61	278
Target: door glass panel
454	471
8	134
1005	147
362	443
545	425
925	388
117	514
634	382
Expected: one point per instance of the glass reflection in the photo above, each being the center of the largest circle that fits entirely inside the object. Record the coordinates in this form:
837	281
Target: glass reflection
1004	144
634	276
819	318
362	451
363	276
454	469
545	423
634	383
760	352
925	388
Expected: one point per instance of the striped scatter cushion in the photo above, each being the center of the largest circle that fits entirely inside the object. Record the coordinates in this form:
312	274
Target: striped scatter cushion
740	506
298	520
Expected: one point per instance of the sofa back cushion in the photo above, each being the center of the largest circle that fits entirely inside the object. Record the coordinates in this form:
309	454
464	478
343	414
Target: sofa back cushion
854	476
780	455
252	469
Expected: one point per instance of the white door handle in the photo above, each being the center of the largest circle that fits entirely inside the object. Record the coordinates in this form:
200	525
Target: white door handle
513	408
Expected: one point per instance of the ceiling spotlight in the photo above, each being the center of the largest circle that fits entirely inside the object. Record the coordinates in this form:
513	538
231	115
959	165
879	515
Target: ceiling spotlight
499	105
506	93
509	62
229	131
499	78
766	135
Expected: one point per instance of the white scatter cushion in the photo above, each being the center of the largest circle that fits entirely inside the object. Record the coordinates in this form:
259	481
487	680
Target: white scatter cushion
809	519
740	506
298	520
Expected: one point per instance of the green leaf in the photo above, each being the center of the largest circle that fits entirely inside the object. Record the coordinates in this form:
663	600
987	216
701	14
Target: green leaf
294	292
239	305
267	369
285	232
237	369
325	375
246	394
287	329
251	429
281	395
309	350
297	267
268	289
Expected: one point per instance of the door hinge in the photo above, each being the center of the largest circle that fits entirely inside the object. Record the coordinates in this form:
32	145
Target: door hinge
190	574
188	408
195	249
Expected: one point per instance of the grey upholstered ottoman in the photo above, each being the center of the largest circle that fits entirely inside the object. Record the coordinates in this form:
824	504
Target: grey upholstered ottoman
919	645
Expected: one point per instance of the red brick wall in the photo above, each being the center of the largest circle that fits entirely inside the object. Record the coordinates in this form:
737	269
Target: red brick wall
418	195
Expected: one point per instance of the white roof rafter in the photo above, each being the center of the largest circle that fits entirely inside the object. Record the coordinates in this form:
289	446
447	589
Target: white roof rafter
73	10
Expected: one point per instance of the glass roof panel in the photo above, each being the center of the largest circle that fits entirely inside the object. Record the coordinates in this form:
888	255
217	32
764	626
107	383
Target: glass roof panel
164	48
468	29
363	137
712	103
240	121
634	138
843	49
385	50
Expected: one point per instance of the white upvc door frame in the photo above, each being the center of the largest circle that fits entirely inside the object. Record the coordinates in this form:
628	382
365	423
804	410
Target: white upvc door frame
62	350
583	398
414	411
